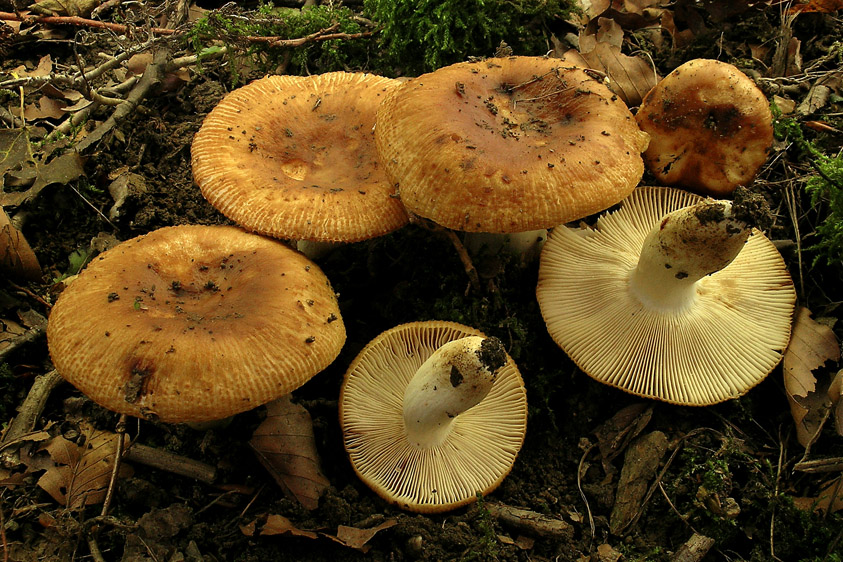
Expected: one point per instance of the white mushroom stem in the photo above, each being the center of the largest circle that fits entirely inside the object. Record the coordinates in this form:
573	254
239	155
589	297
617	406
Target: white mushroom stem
687	245
457	376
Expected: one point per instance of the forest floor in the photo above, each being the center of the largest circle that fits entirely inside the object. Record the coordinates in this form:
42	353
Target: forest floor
734	473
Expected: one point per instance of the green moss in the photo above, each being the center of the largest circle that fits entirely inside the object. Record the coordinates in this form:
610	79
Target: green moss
235	28
825	187
420	36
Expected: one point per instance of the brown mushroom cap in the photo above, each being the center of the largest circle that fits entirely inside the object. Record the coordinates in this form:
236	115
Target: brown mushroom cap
508	144
294	157
475	456
710	128
716	344
194	323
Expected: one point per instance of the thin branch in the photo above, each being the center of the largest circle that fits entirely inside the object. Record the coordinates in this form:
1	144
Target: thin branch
83	22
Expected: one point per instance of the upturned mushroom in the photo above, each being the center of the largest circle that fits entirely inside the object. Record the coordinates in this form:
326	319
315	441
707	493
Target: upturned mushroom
710	128
672	297
294	157
194	323
508	145
432	414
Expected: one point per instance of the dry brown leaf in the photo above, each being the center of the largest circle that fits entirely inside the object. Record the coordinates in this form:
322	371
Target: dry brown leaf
811	345
61	169
629	77
285	446
830	498
816	6
355	538
46	108
81	474
16	256
275	525
80	8
44	68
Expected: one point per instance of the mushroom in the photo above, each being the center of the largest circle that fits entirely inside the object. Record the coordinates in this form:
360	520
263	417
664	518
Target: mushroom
710	128
508	144
672	297
294	157
432	414
194	323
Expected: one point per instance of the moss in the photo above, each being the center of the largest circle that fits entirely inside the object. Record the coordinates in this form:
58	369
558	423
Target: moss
450	31
825	187
233	28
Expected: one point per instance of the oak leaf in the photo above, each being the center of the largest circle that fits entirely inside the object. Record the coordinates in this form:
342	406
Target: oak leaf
284	444
811	345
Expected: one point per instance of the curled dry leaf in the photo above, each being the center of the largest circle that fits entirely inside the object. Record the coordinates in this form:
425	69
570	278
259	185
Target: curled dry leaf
16	256
811	345
285	446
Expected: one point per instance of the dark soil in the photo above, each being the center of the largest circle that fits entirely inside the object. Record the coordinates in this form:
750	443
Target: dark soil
726	472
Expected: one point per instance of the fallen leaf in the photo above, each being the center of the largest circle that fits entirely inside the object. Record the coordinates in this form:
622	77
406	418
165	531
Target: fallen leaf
830	498
61	170
16	256
816	6
629	77
14	150
80	8
811	345
46	107
81	473
285	446
355	538
276	525
44	68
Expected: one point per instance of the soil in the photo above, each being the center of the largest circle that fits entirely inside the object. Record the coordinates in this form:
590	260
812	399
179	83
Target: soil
725	472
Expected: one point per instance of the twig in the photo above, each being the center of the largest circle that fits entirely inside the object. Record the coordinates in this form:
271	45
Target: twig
171	462
582	493
115	469
775	495
530	522
694	549
30	335
151	78
3	533
451	236
29	411
82	22
834	464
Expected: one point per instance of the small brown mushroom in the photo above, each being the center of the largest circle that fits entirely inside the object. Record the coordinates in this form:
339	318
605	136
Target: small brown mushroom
194	323
433	413
710	128
294	157
672	297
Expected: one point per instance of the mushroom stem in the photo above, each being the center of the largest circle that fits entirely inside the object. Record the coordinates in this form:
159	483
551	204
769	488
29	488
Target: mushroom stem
456	377
687	245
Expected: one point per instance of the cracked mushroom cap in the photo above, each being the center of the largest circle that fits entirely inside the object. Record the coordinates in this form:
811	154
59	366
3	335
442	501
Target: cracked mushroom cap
294	157
509	144
194	323
416	424
710	128
637	310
